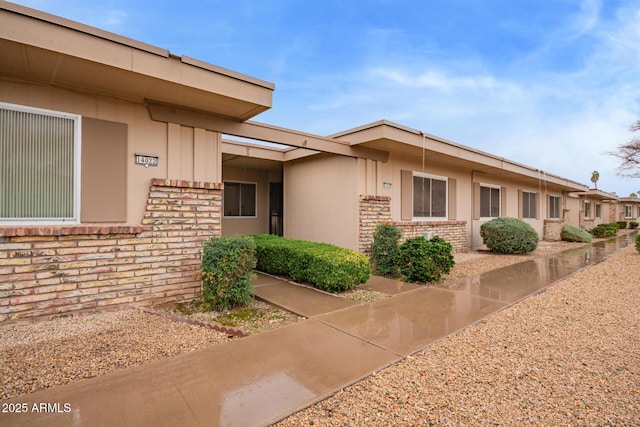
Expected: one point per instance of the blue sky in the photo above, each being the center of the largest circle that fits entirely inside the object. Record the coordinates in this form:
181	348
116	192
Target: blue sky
553	84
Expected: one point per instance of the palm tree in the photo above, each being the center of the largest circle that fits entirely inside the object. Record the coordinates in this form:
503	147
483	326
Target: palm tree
595	176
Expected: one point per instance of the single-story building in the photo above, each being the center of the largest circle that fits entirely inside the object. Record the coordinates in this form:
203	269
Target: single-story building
629	209
118	158
597	207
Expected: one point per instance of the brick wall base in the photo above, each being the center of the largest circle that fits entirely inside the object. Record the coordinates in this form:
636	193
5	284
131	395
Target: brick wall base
47	271
552	229
454	232
376	210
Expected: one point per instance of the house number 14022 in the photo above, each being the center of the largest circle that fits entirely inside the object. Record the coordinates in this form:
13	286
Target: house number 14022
146	161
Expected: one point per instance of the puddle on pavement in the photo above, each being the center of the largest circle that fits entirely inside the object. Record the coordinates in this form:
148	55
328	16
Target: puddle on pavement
514	282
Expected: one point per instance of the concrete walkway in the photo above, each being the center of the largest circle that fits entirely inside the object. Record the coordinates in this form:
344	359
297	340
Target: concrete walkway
262	378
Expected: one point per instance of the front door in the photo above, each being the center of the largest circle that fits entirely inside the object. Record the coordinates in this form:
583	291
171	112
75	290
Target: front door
275	208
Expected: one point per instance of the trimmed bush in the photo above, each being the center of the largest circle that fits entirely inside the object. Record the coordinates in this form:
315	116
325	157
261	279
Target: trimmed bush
509	236
226	272
384	248
633	225
569	233
328	267
422	260
637	241
604	230
621	225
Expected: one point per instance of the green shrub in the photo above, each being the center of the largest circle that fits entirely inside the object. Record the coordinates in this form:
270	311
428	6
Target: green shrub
604	230
422	260
226	272
569	233
637	242
384	248
509	236
326	266
633	225
621	225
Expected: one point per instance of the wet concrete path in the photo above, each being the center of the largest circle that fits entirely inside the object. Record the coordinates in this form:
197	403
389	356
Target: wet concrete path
262	378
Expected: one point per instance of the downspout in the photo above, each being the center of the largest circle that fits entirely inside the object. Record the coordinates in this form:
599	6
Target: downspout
472	219
424	148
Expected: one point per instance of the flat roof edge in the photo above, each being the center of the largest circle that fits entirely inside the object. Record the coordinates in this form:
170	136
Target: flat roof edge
375	124
568	182
83	28
126	41
224	71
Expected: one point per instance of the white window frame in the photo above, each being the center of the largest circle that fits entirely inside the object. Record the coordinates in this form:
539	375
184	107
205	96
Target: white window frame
77	156
255	200
555	196
446	201
494	187
628	211
598	210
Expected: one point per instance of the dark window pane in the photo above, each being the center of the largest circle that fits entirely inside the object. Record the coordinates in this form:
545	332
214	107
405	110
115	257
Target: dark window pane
439	197
495	202
528	205
421	197
489	202
231	199
485	202
248	198
554	207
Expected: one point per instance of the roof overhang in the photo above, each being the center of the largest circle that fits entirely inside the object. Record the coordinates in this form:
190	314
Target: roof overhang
309	143
397	138
43	48
599	195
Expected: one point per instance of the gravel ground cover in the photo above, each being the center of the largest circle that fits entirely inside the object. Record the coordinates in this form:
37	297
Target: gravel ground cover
513	363
567	356
40	355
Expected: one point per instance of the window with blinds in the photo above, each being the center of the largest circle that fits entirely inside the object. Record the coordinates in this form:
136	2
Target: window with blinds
489	202
529	206
554	207
38	164
429	196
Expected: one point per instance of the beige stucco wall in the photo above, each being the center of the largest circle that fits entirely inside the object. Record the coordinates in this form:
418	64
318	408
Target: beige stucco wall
321	200
390	172
183	153
373	175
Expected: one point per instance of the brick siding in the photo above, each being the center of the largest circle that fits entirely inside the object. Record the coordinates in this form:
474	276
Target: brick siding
454	232
47	271
552	229
375	210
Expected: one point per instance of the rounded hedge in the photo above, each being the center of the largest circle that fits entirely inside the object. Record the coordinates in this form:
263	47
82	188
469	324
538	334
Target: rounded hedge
422	260
569	233
509	236
604	230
